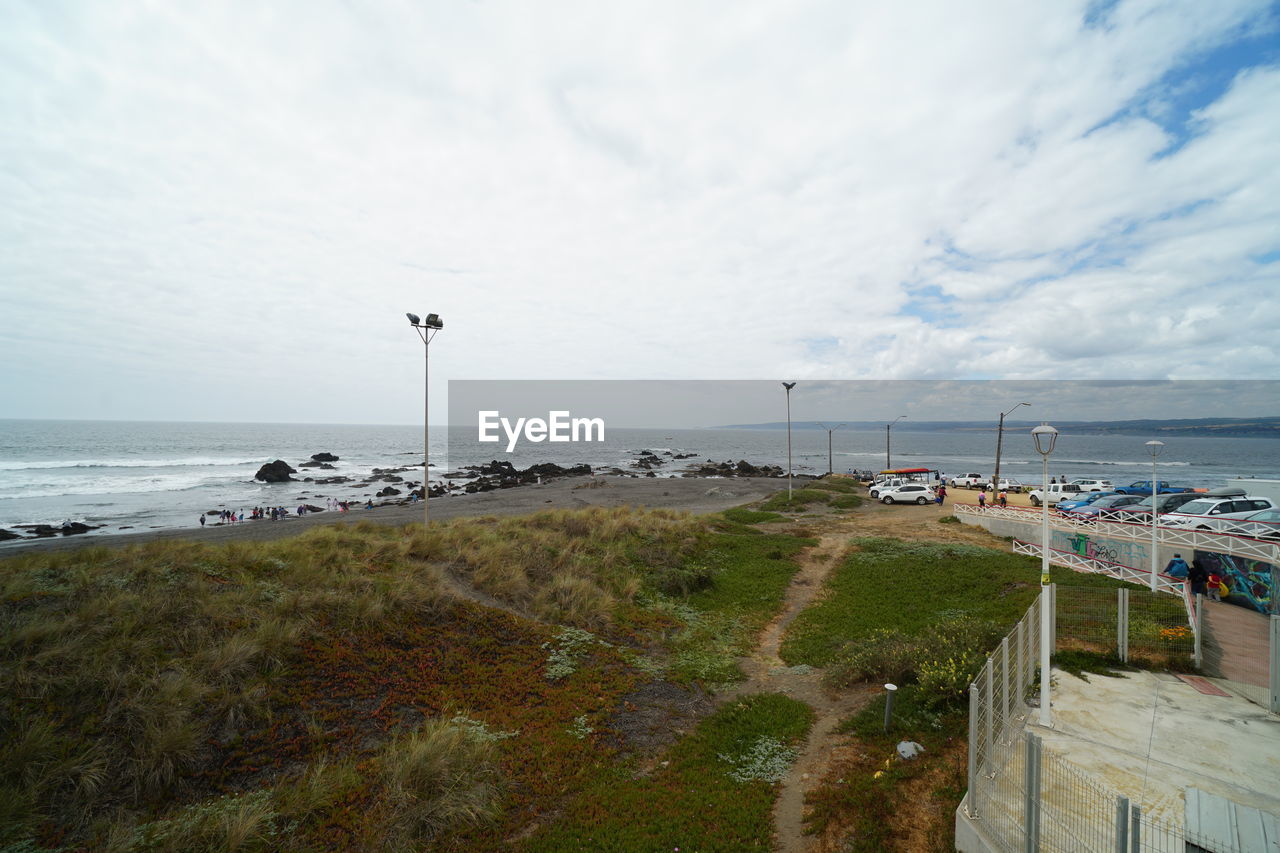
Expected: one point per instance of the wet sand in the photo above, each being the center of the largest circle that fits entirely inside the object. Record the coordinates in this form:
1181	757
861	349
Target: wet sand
694	494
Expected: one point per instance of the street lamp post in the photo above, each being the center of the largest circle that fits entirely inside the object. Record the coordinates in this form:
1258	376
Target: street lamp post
1045	437
788	386
999	442
426	330
829	430
888	463
1154	448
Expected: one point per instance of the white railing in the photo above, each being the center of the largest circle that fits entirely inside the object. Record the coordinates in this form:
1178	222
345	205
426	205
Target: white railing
1203	540
1081	563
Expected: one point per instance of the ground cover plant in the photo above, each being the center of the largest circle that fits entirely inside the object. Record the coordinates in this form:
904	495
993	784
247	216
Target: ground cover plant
341	688
714	792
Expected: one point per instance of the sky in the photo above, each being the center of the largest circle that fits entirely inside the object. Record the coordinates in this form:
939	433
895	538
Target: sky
222	211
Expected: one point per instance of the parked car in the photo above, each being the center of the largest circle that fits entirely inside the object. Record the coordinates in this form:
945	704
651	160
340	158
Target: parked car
1005	485
1141	511
1143	487
968	481
909	493
1259	525
1216	510
1095	485
1103	509
1055	493
1083	499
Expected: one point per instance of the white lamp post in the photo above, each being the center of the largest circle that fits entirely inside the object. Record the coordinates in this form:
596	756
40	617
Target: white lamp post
1154	448
1045	436
426	330
888	463
829	430
788	386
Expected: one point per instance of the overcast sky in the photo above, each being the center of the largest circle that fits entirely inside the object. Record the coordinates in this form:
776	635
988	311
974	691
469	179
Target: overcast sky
221	211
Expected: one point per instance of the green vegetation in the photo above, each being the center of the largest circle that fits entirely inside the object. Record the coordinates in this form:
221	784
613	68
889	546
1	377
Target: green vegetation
742	515
715	793
338	690
908	586
782	502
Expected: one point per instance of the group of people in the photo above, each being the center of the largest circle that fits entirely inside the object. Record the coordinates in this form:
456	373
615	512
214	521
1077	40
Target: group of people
1203	581
1001	498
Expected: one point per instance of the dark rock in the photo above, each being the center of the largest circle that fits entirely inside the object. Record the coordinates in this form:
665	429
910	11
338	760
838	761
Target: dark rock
324	457
275	472
388	492
314	464
329	481
311	508
6	535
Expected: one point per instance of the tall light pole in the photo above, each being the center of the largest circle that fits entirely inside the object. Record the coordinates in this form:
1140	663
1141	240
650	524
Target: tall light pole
829	431
1045	436
788	386
426	330
999	442
1154	448
887	463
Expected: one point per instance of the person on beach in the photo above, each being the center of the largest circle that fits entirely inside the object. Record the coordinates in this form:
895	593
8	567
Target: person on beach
982	499
202	519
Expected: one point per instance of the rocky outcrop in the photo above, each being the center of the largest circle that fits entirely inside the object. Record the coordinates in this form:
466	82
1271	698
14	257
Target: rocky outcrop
742	468
275	472
315	464
323	457
389	491
504	475
6	535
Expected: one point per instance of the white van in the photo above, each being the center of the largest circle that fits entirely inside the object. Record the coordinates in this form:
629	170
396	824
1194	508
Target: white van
1056	492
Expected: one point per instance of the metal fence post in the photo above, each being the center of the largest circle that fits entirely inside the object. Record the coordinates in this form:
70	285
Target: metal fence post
1053	618
991	704
1122	824
1122	624
1031	802
1275	660
1020	655
973	751
1199	632
1007	705
1135	828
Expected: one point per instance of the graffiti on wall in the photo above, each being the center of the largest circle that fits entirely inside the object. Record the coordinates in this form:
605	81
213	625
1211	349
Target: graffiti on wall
1109	550
1250	583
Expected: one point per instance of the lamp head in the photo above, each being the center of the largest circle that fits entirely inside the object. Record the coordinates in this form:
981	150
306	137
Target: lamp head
1154	448
413	319
788	385
1045	436
433	321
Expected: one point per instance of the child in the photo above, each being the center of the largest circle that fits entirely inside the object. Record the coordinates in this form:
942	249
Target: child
1215	587
1004	498
982	499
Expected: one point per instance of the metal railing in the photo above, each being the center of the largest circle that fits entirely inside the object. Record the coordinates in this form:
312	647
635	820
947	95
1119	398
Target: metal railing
1203	540
1119	571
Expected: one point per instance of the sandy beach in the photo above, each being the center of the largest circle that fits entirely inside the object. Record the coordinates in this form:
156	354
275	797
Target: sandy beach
695	494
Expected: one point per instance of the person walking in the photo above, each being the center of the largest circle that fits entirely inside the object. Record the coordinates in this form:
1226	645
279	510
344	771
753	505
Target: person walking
1199	577
982	499
202	519
1004	498
1177	567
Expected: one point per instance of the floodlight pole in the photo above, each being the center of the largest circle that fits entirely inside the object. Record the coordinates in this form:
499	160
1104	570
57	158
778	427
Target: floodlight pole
426	331
1045	437
1154	448
888	463
999	442
829	430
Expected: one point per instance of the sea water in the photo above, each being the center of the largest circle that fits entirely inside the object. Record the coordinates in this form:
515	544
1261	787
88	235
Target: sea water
143	475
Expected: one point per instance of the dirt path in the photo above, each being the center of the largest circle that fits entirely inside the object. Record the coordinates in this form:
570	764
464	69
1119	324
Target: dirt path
766	672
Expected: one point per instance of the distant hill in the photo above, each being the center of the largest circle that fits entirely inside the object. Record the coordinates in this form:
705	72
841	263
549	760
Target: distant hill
1264	427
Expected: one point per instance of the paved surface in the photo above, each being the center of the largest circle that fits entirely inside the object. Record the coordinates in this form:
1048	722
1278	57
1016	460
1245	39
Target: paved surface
1237	649
1150	736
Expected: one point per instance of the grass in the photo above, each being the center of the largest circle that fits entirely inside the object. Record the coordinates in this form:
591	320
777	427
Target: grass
197	697
713	794
907	586
742	515
782	502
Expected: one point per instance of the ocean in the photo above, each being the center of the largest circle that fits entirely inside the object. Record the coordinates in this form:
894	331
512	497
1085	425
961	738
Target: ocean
142	475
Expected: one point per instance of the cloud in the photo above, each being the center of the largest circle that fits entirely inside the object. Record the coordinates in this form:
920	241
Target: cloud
223	211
